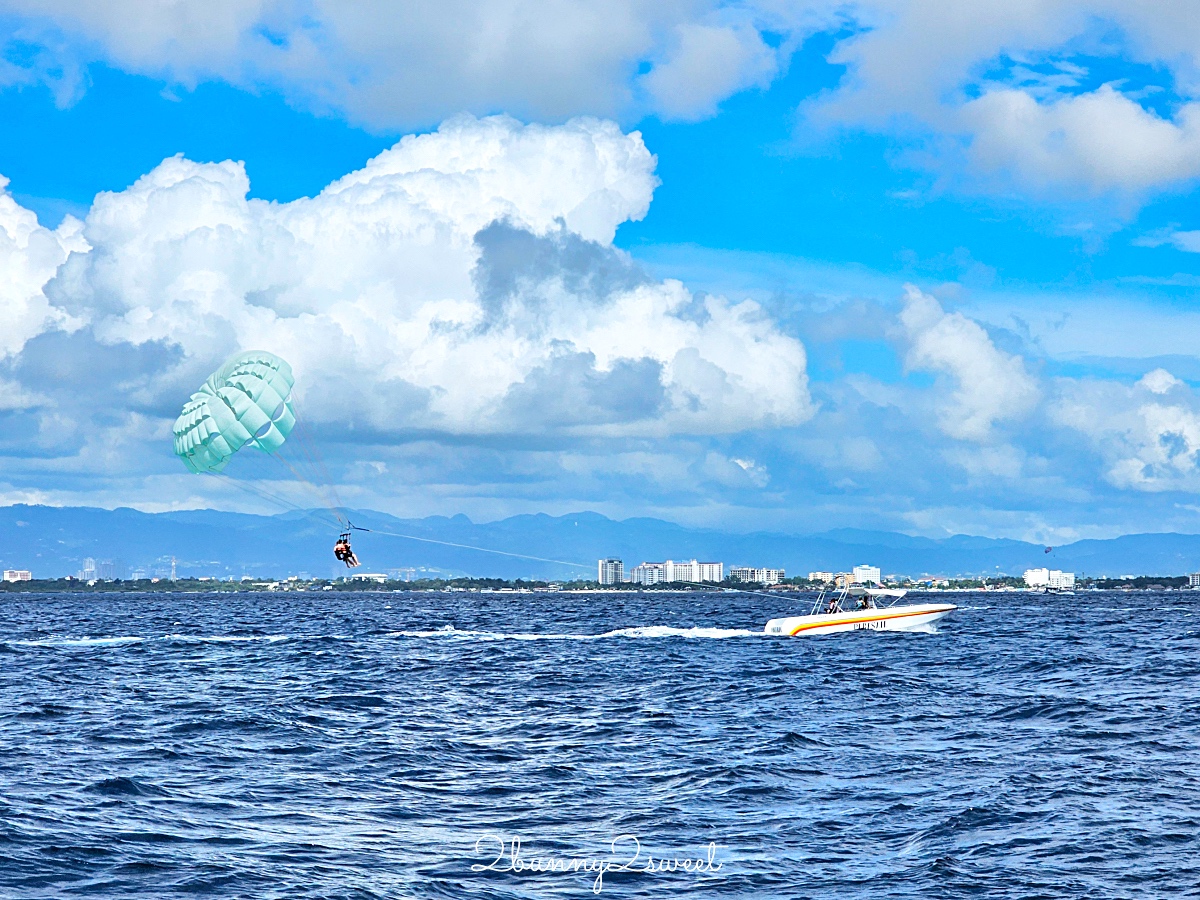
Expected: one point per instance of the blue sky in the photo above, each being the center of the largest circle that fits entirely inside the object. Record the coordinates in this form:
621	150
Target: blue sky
888	265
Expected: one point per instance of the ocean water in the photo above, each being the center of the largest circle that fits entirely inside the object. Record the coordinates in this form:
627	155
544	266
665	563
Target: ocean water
387	745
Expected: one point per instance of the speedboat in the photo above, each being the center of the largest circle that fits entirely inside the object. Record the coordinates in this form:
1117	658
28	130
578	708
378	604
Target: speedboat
870	611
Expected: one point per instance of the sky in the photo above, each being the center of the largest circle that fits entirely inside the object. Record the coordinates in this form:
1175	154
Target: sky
916	266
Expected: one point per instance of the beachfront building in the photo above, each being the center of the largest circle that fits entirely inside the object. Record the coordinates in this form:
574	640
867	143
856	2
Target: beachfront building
710	571
759	576
647	573
822	577
1063	580
1194	579
15	575
866	575
1049	578
692	571
611	571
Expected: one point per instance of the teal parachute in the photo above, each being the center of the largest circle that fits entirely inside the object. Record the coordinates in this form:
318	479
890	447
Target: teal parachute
248	401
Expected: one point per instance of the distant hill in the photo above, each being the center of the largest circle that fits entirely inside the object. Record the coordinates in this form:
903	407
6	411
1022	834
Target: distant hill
54	541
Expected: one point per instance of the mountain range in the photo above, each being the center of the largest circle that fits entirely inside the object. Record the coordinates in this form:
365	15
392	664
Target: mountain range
56	541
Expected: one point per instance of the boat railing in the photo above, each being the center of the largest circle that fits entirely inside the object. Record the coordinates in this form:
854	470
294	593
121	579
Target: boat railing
830	600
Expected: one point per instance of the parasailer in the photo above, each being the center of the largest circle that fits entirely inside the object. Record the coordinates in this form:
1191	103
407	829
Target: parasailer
343	552
245	403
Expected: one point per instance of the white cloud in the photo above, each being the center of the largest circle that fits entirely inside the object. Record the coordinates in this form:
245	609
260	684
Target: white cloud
393	65
1159	381
1147	443
400	310
999	79
996	83
1187	241
1098	141
706	64
29	257
990	386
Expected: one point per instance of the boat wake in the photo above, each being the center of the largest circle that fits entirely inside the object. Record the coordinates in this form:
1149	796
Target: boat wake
96	642
646	631
85	642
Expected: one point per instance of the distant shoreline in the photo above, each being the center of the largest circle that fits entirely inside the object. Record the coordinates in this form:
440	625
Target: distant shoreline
497	586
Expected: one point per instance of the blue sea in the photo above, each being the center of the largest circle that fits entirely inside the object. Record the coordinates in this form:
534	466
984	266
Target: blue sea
329	745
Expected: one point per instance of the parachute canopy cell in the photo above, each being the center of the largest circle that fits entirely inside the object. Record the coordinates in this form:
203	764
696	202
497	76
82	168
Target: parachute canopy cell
246	402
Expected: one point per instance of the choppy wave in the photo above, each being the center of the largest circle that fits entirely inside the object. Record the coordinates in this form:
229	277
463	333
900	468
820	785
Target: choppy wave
166	746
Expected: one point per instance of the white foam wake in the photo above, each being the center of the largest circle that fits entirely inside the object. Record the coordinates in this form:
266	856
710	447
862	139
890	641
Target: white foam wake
226	638
79	642
137	639
645	631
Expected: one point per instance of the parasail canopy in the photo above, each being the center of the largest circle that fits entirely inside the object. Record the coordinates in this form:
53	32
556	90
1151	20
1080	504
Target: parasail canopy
248	401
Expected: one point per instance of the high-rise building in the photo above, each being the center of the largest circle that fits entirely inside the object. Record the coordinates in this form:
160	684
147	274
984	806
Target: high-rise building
759	576
680	571
1194	579
1063	580
88	572
866	575
685	572
823	577
110	570
647	573
611	571
18	575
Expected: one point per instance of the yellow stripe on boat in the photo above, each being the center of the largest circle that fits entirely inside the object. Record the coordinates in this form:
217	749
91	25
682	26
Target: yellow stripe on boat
875	618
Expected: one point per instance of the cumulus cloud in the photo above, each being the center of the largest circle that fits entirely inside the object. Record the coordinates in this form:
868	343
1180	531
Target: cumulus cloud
989	386
1001	81
1001	85
1099	140
29	257
1159	381
462	282
1148	443
403	64
706	64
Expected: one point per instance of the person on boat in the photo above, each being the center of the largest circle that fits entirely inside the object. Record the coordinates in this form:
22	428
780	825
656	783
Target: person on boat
343	552
833	606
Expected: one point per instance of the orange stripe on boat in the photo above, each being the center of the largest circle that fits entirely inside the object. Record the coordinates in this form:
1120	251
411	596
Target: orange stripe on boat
800	628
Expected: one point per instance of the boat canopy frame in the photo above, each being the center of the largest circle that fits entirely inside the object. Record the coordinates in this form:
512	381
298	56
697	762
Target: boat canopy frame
865	596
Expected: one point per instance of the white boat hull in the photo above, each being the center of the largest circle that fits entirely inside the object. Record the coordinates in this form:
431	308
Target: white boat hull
891	618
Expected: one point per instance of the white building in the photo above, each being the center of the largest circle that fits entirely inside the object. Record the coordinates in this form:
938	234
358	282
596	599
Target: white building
692	571
611	571
88	572
866	575
1194	580
1049	578
823	577
680	571
1065	580
647	573
18	575
760	576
